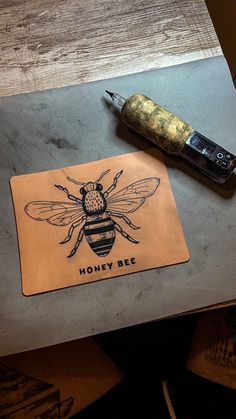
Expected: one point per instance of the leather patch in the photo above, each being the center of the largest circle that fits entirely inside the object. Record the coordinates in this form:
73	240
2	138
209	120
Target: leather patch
96	220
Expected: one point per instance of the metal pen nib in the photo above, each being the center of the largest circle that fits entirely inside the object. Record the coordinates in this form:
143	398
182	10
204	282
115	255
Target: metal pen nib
117	98
110	93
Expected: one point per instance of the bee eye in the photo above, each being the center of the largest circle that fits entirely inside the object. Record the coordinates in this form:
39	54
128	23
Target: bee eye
99	187
82	191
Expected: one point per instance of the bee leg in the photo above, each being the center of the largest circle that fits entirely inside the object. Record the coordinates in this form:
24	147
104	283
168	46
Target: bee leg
72	197
78	241
126	219
71	229
113	185
124	234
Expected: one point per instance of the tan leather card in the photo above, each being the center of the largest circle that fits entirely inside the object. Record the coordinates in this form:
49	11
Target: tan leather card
97	220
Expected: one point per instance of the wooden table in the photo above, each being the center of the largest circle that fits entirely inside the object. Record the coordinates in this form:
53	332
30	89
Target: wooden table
53	43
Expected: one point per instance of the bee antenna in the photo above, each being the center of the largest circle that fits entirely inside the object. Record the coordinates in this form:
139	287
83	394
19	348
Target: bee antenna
102	175
75	181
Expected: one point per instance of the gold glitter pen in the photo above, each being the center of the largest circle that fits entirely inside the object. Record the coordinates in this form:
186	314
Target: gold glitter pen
175	136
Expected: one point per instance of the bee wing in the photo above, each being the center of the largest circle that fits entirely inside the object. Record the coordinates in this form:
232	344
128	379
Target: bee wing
133	196
56	213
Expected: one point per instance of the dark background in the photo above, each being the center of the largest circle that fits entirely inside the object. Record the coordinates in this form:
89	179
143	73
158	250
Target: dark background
149	354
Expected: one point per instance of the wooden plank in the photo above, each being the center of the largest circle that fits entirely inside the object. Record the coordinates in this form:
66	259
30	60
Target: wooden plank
51	43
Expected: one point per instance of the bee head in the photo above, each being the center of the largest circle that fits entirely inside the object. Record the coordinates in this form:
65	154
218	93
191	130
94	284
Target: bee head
90	186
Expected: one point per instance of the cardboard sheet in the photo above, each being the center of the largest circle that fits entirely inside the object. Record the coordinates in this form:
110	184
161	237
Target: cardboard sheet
97	220
213	354
55	382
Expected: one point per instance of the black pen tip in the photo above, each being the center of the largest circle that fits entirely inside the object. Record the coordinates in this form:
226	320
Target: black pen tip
110	93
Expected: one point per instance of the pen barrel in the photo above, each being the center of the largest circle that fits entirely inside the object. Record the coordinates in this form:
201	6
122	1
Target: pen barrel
155	123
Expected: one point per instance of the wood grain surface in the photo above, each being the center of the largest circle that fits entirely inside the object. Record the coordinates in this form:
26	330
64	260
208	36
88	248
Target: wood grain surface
52	43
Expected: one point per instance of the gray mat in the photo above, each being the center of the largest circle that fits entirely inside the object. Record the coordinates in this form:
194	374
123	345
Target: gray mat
63	127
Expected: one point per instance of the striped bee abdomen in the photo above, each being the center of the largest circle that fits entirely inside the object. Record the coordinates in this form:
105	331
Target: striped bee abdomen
100	234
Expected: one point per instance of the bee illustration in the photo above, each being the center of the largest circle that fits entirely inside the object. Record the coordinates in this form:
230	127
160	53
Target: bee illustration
96	210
